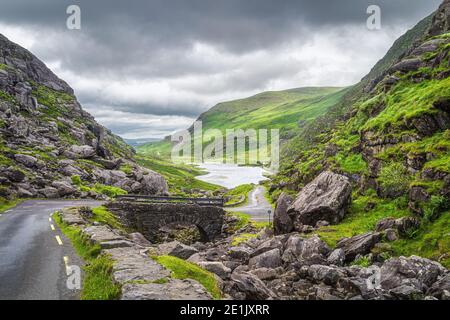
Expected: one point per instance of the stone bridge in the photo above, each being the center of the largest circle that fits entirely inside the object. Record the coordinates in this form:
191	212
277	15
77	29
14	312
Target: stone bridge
147	218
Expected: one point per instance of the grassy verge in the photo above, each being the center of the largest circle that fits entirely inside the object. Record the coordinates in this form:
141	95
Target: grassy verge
8	204
182	269
237	194
103	216
98	283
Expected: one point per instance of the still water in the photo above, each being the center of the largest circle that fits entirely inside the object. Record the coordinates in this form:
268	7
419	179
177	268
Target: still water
230	175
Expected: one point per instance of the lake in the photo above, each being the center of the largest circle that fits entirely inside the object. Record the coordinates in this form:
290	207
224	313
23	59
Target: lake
231	175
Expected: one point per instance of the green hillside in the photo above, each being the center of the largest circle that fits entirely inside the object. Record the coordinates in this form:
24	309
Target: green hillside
393	143
285	110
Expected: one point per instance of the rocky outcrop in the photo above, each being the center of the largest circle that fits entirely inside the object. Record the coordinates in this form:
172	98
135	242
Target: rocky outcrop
47	138
282	223
326	198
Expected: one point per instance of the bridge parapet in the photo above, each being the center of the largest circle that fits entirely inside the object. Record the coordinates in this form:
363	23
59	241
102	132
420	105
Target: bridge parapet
148	217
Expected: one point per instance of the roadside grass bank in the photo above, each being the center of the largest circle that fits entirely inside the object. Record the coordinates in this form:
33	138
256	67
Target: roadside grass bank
239	195
97	283
9	204
182	269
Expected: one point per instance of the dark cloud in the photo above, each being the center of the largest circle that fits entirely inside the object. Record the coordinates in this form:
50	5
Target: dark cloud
194	53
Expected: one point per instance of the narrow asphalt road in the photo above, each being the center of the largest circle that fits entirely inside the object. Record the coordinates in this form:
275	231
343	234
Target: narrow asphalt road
257	207
34	253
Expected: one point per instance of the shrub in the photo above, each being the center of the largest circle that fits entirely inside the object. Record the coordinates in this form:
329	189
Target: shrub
394	180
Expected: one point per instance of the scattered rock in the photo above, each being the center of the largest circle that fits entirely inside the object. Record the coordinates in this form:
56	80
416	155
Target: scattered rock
414	271
251	287
217	268
361	244
26	160
177	249
337	257
269	259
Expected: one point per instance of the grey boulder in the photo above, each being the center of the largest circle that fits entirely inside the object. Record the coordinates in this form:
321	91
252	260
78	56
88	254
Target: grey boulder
326	198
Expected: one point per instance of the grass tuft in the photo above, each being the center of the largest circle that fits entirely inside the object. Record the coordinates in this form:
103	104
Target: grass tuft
182	269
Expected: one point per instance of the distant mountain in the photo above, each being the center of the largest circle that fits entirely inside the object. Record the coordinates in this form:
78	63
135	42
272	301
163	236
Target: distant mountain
140	141
285	110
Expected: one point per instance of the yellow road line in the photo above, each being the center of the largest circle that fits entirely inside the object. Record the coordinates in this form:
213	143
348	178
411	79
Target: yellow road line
58	239
66	263
50	219
52	227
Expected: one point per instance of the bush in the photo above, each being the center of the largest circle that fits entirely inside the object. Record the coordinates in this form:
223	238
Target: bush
394	180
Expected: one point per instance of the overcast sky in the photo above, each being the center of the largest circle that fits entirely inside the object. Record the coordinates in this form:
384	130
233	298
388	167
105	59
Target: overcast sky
149	68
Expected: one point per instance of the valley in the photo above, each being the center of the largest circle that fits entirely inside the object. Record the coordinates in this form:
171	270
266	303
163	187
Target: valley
361	195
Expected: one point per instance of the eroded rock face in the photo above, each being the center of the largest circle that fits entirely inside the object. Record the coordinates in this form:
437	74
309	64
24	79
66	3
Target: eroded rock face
326	198
48	137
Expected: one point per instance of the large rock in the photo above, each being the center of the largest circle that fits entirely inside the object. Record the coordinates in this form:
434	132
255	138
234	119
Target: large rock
177	249
26	160
282	223
414	271
441	288
327	198
80	152
174	289
217	268
358	245
64	188
306	251
251	287
269	259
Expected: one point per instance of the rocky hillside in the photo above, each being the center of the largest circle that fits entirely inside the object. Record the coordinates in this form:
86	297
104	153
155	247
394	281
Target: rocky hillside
50	147
392	146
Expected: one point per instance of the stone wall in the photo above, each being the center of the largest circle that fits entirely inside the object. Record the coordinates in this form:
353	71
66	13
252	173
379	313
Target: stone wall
148	218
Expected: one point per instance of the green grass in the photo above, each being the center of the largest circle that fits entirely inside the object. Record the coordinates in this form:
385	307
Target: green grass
362	218
182	269
284	110
408	100
245	219
97	283
99	188
102	215
242	238
239	193
8	204
431	241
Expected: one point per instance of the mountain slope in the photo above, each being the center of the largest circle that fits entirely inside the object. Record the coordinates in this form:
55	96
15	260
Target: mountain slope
49	146
284	110
393	143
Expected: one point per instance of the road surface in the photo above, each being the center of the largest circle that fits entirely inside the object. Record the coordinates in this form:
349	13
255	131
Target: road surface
257	206
34	253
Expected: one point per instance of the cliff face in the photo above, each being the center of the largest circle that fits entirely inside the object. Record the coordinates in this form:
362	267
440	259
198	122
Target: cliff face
49	146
